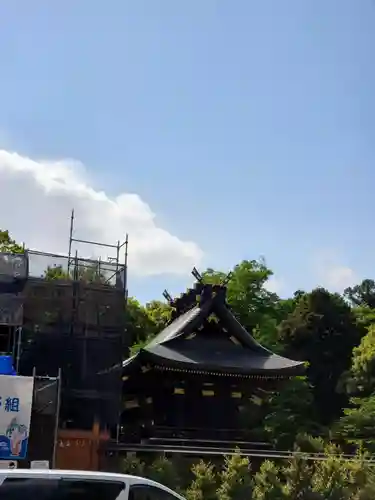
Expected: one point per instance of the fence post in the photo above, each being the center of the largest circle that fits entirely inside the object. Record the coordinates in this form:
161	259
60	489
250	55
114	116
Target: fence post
55	437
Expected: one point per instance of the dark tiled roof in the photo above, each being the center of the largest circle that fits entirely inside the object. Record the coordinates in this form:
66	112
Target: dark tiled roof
173	349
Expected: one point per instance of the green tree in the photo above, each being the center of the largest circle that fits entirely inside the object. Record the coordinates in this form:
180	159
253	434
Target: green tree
139	326
365	316
267	334
89	273
356	426
285	307
159	314
363	362
290	411
360	379
323	331
163	471
133	466
213	277
8	244
56	273
357	423
247	294
268	483
305	443
362	294
254	306
144	322
331	478
296	476
235	478
205	483
336	478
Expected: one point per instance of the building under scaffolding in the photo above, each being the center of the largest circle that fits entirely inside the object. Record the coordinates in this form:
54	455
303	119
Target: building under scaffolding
77	325
65	312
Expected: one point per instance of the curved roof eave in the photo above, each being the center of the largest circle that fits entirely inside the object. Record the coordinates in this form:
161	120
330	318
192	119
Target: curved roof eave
290	368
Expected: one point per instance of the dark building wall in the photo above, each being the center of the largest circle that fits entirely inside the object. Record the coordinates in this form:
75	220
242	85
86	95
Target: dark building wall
168	403
86	309
78	327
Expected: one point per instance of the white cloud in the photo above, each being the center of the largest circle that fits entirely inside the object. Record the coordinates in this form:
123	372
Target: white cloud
340	277
274	285
333	273
36	198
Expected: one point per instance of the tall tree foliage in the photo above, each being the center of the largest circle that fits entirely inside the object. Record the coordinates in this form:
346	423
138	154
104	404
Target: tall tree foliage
258	309
356	426
363	363
8	244
288	411
362	294
323	331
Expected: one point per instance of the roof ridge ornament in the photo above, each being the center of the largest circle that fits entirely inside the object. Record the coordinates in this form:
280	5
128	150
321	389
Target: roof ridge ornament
168	297
197	275
199	293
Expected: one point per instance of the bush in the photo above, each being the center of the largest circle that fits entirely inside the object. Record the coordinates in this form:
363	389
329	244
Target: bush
235	479
133	466
163	471
205	483
267	482
332	478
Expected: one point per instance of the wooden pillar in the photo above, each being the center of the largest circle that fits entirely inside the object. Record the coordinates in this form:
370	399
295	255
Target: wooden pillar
94	445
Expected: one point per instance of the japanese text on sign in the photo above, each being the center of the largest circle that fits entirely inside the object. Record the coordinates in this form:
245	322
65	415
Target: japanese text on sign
11	405
16	399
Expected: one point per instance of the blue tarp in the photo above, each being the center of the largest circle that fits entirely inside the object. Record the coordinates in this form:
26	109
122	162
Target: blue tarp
6	365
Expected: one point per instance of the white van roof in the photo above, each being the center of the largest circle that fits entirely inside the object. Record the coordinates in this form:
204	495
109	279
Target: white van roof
80	474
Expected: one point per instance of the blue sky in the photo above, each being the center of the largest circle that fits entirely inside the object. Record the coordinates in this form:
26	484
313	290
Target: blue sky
247	126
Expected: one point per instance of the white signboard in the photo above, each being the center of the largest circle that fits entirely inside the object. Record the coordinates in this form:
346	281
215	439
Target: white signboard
39	464
16	397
